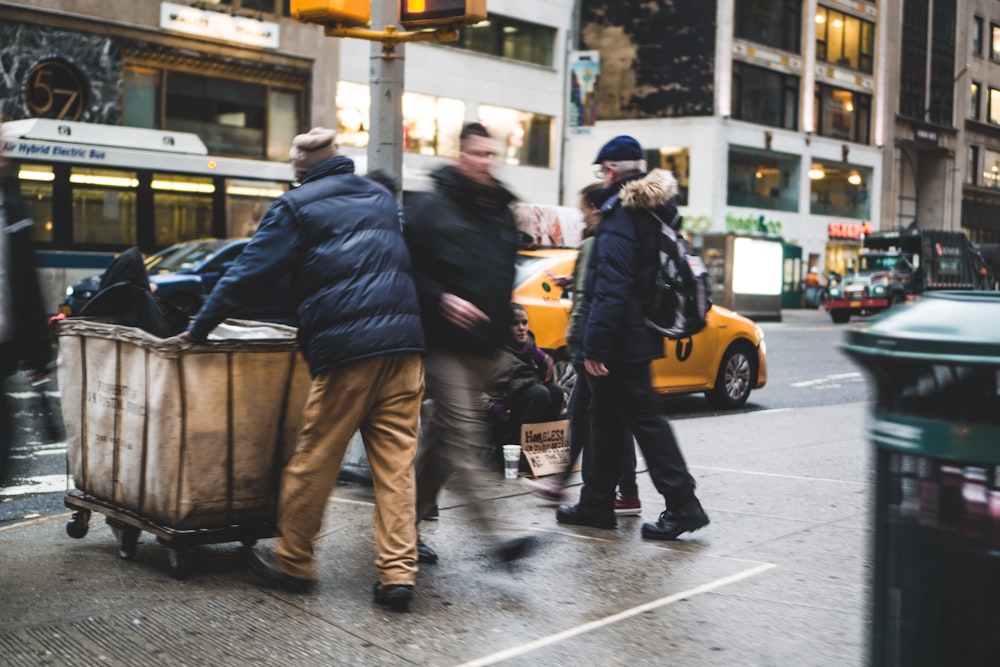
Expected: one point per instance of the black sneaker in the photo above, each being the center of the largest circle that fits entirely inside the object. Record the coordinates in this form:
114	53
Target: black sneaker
263	564
672	524
394	596
578	516
425	554
433	514
516	548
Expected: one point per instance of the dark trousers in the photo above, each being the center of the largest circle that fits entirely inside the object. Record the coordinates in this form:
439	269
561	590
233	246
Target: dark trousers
579	435
534	404
6	431
624	399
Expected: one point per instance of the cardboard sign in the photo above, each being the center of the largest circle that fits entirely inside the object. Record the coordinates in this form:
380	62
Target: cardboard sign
546	446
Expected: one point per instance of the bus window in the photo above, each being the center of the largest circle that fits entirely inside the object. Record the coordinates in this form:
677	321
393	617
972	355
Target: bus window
246	202
104	206
182	207
36	190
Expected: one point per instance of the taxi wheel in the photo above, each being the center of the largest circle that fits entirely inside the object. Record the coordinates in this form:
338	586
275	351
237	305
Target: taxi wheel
735	377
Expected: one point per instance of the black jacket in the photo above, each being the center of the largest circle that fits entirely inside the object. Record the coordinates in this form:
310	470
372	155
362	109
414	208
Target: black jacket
622	270
31	343
463	241
338	236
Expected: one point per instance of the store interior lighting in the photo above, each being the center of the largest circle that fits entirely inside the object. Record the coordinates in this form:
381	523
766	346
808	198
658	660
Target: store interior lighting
816	172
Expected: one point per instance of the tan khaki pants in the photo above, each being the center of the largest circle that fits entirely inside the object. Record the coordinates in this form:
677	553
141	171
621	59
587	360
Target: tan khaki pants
381	397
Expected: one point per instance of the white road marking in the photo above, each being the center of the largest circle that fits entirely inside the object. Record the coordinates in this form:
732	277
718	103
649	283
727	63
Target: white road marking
779	475
41	484
614	618
831	380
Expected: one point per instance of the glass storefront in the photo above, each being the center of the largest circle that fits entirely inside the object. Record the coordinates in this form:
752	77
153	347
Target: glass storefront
763	179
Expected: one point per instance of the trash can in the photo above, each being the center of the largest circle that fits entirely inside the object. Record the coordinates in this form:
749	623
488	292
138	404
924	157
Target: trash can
936	522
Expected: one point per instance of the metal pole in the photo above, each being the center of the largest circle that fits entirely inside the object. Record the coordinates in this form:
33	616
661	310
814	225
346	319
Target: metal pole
386	79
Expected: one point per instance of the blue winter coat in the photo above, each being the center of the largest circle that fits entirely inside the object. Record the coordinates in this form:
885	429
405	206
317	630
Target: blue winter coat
622	270
338	236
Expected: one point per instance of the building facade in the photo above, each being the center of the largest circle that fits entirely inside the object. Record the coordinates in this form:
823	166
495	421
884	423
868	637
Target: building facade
766	110
246	78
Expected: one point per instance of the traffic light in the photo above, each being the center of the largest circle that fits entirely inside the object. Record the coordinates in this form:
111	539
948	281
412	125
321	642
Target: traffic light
430	13
348	13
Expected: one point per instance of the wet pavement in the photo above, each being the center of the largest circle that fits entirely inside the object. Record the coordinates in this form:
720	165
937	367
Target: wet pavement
778	578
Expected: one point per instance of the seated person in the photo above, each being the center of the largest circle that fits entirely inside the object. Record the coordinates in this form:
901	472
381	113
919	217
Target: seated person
524	390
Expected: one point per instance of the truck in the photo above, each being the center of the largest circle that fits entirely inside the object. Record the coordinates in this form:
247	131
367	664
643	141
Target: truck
897	266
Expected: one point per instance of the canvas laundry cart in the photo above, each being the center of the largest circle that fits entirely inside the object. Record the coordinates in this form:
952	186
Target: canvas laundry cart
185	441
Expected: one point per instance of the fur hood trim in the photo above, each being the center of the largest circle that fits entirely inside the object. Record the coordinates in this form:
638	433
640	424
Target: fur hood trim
656	189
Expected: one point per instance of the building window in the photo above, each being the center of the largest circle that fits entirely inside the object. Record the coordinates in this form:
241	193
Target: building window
941	108
764	96
509	38
977	35
844	40
843	114
839	190
777	23
763	179
526	138
994	41
972	168
431	125
913	61
675	160
993	107
974	101
991	169
142	97
230	116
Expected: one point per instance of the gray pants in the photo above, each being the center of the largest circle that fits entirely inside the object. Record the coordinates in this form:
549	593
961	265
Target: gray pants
456	437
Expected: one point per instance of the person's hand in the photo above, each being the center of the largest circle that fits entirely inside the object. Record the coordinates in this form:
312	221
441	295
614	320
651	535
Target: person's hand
564	281
596	368
460	312
550	368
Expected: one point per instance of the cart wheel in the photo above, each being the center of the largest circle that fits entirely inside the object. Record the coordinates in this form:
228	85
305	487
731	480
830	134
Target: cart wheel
128	537
180	562
79	524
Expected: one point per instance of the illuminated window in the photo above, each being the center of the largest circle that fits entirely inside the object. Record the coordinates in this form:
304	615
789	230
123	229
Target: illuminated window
431	125
974	100
991	169
844	40
842	114
840	190
994	42
104	203
993	107
526	137
182	208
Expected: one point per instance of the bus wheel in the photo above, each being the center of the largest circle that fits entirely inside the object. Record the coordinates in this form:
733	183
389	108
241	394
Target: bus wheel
840	315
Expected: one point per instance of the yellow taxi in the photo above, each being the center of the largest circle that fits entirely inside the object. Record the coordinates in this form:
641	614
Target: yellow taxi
726	360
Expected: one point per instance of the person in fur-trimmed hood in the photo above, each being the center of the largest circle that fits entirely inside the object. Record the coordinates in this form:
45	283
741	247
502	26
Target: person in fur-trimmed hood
617	348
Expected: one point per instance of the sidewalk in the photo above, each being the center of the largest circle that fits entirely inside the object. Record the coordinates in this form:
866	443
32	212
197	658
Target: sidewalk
778	578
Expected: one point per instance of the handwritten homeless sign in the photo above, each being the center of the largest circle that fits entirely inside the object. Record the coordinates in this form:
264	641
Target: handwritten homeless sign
546	446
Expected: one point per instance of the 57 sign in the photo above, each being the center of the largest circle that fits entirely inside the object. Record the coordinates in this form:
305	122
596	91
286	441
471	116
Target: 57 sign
55	89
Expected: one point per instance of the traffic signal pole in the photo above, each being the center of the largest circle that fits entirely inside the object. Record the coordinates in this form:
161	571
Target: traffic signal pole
386	78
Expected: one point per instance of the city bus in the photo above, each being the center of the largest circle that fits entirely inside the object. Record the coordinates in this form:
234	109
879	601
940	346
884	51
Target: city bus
94	190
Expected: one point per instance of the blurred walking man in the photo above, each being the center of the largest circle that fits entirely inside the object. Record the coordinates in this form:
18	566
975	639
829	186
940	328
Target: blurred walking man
617	348
338	236
463	241
23	333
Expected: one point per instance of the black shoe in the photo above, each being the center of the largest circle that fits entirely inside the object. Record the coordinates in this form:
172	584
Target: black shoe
516	548
433	514
672	524
425	554
394	596
578	516
262	563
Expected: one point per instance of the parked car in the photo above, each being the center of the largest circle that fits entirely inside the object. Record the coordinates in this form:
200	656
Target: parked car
725	361
185	273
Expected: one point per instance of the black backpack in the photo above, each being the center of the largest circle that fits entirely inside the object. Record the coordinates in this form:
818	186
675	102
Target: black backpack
678	303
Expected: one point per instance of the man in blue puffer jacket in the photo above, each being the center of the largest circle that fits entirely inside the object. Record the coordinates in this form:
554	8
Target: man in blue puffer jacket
617	348
338	237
